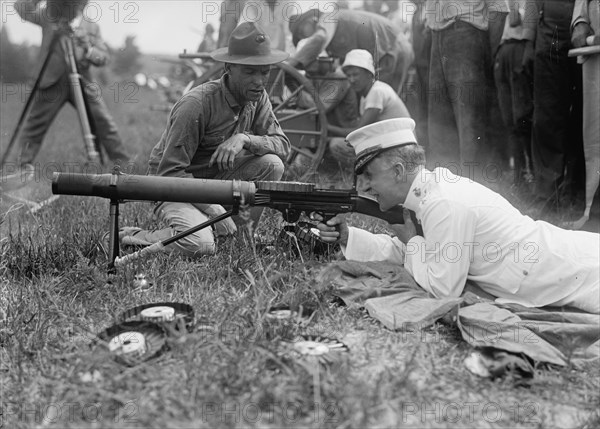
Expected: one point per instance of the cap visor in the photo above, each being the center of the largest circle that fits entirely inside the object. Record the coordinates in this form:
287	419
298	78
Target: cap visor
362	162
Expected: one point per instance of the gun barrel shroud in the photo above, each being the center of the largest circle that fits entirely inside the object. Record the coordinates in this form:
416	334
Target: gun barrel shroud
153	188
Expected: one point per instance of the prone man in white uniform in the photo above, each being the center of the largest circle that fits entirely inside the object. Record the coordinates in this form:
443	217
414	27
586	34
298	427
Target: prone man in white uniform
470	232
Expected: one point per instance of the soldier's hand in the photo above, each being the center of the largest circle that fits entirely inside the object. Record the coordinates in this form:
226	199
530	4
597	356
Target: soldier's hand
580	33
528	58
335	230
82	38
225	154
407	231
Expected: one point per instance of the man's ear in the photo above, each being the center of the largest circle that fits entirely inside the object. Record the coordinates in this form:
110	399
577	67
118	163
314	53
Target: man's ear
227	67
399	170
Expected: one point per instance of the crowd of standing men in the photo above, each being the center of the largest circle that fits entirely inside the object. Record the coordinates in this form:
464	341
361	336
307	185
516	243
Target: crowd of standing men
503	89
491	87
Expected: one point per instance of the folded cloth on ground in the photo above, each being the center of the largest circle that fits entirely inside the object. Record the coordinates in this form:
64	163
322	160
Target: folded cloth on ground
358	281
409	310
486	325
550	334
553	335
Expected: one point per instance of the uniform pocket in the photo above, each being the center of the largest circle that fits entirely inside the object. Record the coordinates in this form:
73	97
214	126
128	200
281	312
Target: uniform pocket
212	141
511	276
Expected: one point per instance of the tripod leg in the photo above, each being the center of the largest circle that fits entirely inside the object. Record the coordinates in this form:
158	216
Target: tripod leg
74	81
29	103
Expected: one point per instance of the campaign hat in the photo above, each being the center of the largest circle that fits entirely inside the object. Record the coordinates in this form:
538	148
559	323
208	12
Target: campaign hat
249	44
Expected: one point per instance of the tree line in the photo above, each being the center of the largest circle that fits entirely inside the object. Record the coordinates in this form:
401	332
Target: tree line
19	61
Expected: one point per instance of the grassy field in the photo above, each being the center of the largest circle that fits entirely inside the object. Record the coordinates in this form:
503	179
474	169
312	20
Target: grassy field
55	295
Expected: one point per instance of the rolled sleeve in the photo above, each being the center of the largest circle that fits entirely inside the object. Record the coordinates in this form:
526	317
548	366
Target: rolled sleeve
314	46
318	42
580	13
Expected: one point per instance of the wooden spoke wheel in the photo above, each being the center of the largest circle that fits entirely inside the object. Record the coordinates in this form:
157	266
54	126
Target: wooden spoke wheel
302	118
299	112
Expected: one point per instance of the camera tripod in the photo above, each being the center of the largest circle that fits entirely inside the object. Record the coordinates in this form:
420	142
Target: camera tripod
63	36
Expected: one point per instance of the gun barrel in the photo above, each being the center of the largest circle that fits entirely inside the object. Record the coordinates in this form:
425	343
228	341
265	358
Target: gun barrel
153	188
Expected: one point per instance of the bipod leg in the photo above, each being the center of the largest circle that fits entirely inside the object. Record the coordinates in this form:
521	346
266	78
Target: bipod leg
157	247
113	244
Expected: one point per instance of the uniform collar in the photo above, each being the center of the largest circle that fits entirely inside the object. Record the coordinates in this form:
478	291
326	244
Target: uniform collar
231	100
418	189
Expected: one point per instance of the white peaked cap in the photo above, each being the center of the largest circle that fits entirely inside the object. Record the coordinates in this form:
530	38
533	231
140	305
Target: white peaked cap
370	140
359	58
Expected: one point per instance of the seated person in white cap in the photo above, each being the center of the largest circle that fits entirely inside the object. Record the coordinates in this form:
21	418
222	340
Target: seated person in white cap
378	100
470	232
223	129
333	89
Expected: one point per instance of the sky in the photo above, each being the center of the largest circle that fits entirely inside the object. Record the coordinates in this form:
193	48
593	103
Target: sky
160	26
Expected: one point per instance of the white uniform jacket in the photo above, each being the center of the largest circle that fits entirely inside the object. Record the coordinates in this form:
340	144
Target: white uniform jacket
474	233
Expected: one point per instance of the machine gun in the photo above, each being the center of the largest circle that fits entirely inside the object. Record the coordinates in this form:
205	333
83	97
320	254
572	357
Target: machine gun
289	198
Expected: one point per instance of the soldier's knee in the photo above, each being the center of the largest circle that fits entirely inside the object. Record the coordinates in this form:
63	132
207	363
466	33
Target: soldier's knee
278	168
198	244
271	167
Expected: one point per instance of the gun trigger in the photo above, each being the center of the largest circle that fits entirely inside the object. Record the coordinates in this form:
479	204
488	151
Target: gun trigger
312	217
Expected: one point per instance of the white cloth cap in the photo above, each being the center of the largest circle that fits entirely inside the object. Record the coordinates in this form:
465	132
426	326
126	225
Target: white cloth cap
370	140
359	58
